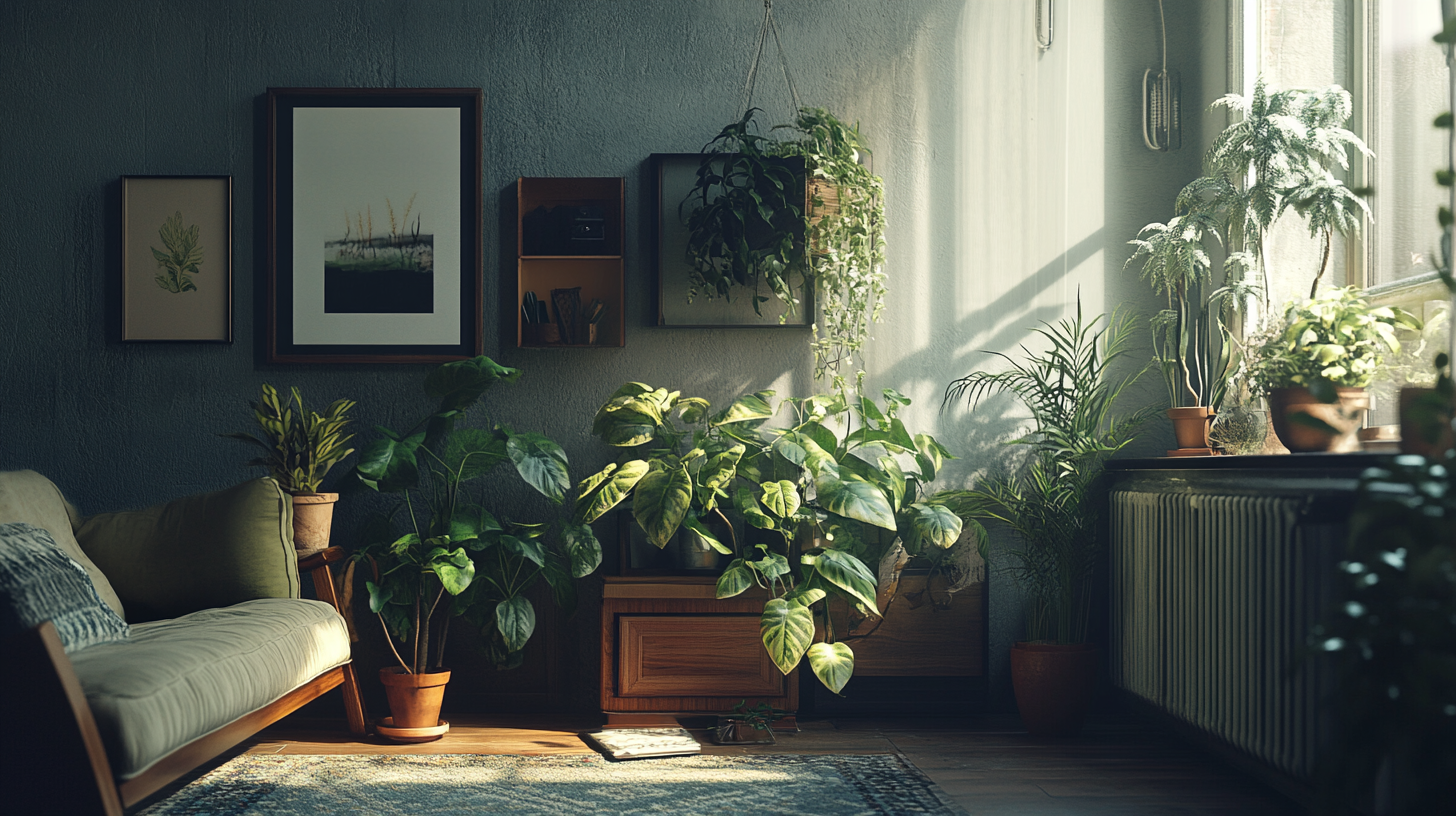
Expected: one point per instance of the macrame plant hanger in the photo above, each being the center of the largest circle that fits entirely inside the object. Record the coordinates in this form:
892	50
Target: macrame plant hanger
770	26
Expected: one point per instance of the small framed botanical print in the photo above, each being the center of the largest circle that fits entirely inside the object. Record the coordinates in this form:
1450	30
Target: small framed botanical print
177	259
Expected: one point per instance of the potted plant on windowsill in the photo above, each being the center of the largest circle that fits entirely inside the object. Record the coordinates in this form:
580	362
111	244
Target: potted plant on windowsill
816	496
1315	367
1053	505
1279	156
300	447
790	213
440	554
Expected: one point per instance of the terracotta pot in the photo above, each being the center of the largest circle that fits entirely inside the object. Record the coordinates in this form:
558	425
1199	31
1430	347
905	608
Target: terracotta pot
1344	414
1053	685
414	699
1190	426
313	516
1412	436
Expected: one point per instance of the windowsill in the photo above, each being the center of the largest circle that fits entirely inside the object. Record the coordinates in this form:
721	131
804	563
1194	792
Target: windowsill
1414	290
1341	464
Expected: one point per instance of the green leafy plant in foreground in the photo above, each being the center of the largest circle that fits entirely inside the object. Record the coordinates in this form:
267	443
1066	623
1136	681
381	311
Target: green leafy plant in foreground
300	446
440	553
822	504
1053	504
183	257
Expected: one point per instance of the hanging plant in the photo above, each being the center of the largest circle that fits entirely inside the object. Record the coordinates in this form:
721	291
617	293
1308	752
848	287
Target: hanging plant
752	225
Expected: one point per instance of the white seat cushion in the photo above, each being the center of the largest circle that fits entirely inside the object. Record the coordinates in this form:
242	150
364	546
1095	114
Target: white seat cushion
176	680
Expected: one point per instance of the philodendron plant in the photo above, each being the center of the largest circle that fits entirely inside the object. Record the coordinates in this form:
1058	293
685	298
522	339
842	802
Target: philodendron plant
827	503
453	557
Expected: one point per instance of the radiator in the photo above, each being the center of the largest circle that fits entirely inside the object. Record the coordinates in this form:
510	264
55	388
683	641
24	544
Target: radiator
1212	598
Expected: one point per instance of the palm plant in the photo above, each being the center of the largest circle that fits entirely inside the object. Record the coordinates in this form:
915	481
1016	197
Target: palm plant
1053	504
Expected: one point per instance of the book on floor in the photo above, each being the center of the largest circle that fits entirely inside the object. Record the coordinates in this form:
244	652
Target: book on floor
640	743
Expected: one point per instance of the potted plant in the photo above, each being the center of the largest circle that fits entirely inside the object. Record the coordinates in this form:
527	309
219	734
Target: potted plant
747	725
1315	367
300	447
1390	642
439	553
752	225
1279	156
816	499
1053	505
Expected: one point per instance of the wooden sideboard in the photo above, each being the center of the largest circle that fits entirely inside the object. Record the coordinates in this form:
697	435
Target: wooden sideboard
669	649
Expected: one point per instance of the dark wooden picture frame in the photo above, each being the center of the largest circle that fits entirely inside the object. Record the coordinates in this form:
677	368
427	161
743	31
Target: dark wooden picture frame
673	176
176	259
375	238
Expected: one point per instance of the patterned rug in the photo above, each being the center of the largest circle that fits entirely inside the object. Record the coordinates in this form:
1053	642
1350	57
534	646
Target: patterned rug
474	784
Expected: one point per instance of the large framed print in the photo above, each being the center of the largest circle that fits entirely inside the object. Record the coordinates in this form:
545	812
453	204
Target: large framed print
673	177
374	225
177	259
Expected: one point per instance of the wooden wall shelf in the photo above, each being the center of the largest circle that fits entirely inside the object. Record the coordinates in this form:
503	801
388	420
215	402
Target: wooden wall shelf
543	236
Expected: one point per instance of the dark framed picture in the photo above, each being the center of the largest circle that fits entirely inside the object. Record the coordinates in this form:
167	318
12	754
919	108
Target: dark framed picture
674	176
177	259
374	225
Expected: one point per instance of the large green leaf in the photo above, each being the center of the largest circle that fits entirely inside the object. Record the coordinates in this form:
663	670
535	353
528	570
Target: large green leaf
781	497
787	630
833	664
929	455
380	595
700	529
461	383
527	548
846	572
516	620
661	502
751	510
805	595
771	566
735	580
454	569
472	452
935	523
388	465
606	489
582	549
853	497
747	408
541	462
720	468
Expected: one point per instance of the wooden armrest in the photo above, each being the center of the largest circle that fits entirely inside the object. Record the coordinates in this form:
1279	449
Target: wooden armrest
327	555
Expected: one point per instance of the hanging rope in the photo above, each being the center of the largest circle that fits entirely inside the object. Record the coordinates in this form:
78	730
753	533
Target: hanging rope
770	26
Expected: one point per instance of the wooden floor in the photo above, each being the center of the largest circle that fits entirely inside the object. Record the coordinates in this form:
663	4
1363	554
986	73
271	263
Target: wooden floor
1113	768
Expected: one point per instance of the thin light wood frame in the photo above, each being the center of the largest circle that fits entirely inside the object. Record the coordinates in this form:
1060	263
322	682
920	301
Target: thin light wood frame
176	259
407	140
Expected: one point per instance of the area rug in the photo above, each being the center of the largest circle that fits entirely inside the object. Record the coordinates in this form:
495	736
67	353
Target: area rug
447	784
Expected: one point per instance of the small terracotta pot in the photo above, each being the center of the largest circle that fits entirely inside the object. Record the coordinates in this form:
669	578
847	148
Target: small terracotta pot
414	699
1345	415
1190	426
1053	685
1412	436
313	517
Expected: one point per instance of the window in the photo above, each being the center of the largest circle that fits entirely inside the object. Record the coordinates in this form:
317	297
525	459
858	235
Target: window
1380	50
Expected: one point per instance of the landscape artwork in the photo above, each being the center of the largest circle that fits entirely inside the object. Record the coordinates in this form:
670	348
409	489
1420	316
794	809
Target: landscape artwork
391	273
176	259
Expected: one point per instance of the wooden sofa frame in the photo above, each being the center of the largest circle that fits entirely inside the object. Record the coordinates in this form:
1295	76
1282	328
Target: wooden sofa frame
53	757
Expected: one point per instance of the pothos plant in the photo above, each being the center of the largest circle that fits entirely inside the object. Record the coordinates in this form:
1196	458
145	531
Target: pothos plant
748	227
817	498
439	553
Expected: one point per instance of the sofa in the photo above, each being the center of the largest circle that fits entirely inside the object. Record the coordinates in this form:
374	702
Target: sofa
154	640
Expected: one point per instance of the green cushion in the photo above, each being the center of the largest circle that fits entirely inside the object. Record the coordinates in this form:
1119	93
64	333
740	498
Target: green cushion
199	552
27	496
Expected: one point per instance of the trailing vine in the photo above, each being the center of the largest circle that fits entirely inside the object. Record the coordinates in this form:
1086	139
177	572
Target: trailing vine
749	228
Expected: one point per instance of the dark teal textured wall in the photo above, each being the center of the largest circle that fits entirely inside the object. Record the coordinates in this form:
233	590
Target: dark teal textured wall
93	90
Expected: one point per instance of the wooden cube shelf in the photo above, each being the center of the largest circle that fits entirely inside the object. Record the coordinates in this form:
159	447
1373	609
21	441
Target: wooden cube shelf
557	262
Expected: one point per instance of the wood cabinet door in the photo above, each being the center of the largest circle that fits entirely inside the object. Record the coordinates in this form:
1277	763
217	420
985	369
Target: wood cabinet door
694	656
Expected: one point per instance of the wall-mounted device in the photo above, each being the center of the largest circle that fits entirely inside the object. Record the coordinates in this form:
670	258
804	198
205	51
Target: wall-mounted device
1162	115
1044	43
